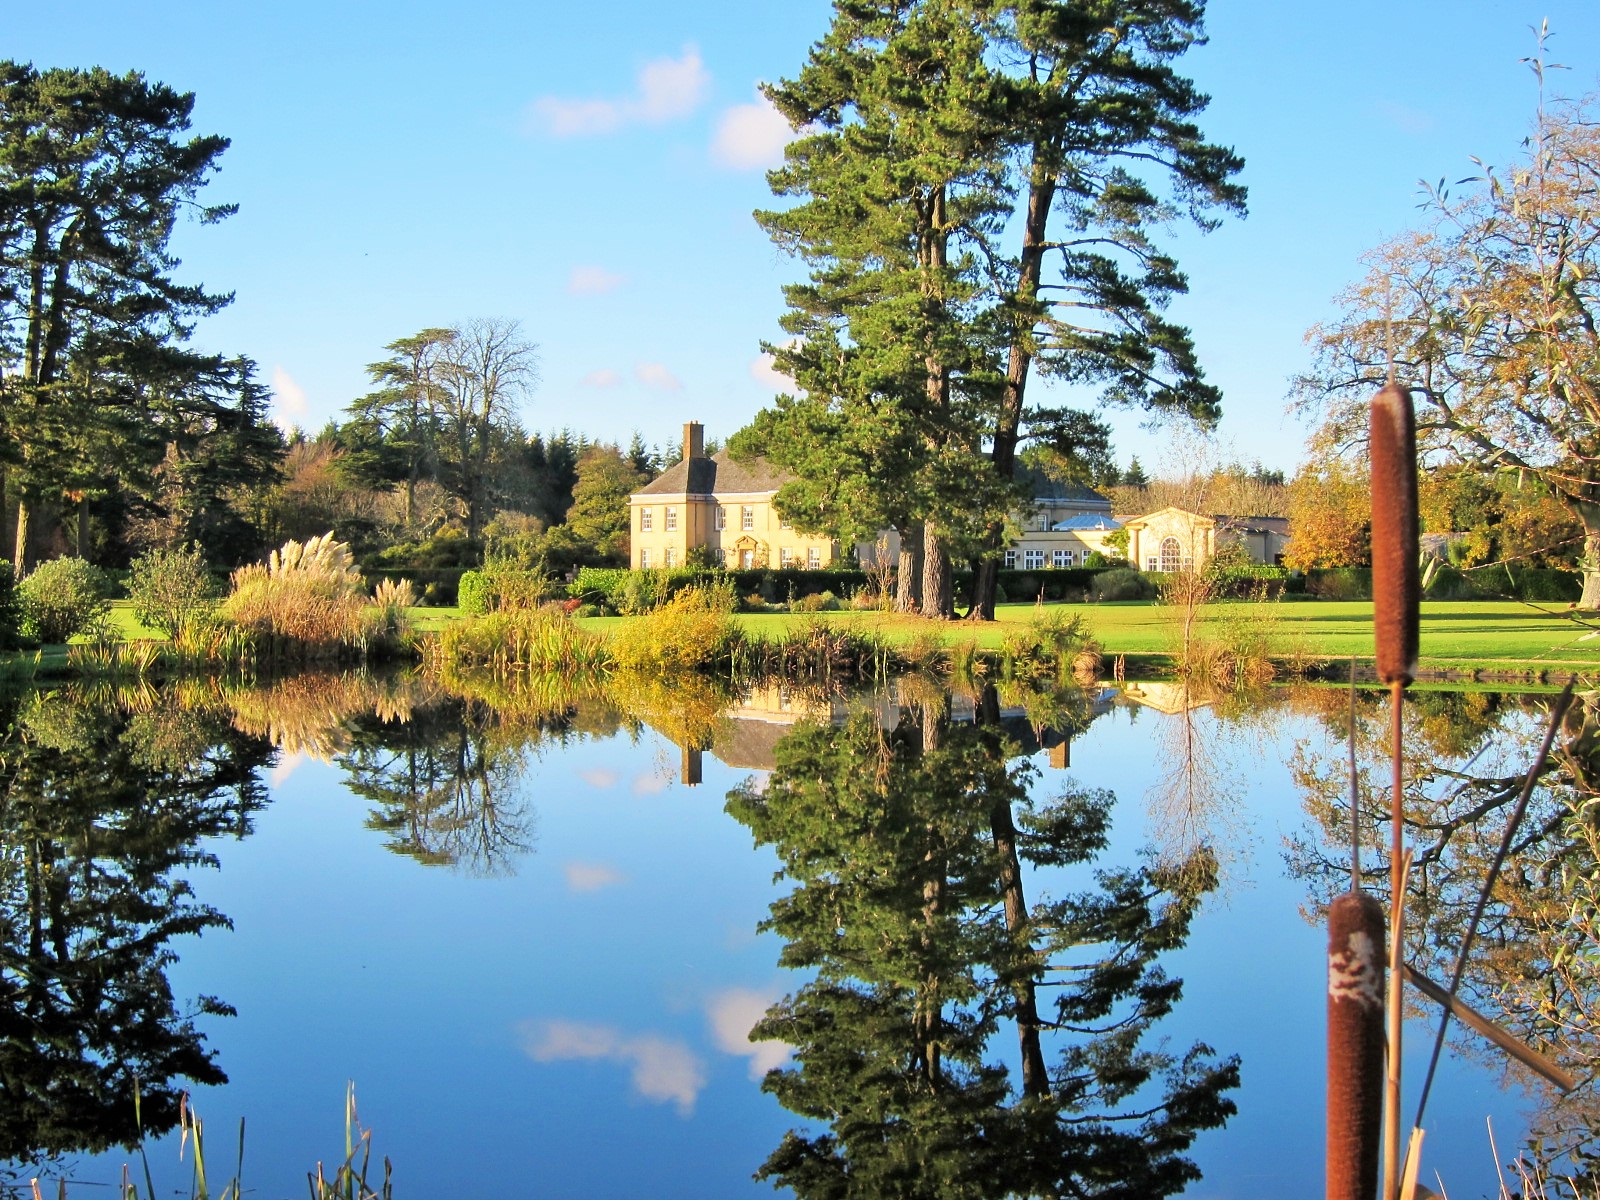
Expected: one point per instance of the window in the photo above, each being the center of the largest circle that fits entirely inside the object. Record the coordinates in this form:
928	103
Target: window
1033	559
785	557
1172	556
813	558
1152	564
722	517
1011	559
747	517
671	555
644	555
783	521
646	519
1061	558
672	520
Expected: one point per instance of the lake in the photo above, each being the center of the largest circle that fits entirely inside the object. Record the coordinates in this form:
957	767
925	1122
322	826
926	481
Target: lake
536	927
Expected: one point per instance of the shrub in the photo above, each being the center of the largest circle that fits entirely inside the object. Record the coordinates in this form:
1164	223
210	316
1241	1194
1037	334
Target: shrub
694	629
309	593
1122	583
522	639
63	597
172	590
1340	583
821	602
499	584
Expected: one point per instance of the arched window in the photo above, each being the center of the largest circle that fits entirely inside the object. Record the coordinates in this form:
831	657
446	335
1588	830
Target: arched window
1171	555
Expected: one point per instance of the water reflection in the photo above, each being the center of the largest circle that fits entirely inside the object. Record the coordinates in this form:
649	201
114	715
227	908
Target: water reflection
102	809
1535	967
909	849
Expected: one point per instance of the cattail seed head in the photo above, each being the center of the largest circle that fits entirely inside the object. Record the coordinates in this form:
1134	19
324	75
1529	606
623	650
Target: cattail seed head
1355	1045
1396	587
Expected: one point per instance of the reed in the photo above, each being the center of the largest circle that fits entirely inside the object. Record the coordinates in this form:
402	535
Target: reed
306	601
537	641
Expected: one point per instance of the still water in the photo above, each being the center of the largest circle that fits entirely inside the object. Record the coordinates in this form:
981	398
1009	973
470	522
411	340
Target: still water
537	932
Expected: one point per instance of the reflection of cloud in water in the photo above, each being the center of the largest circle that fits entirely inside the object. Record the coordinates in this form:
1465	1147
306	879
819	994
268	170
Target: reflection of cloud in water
600	777
652	784
591	877
663	1070
733	1013
287	764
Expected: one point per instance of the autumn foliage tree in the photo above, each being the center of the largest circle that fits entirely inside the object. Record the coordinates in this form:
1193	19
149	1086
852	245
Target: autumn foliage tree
1330	517
1493	318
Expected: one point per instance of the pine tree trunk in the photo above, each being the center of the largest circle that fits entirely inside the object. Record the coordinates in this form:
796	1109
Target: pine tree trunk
1008	426
19	559
938	600
908	576
83	529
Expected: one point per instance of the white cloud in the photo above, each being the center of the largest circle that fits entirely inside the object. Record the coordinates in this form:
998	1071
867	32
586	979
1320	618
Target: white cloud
664	90
765	372
733	1013
750	136
605	377
652	784
656	375
600	777
662	1070
286	766
591	877
289	407
593	281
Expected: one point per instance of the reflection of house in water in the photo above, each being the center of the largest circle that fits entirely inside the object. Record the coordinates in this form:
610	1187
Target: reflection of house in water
748	734
1165	696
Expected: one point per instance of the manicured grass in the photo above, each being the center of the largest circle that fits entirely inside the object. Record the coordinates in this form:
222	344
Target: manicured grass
1453	634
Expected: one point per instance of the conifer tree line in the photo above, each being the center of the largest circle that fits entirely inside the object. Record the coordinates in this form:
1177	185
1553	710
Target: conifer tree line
976	192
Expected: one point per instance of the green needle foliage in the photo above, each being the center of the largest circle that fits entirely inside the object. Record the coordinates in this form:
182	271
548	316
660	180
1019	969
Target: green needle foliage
908	852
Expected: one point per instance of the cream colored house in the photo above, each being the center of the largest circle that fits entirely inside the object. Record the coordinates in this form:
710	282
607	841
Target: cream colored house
1174	539
725	507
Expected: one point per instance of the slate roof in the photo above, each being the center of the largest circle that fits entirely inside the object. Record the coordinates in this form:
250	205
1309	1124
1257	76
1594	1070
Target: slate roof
1087	521
717	474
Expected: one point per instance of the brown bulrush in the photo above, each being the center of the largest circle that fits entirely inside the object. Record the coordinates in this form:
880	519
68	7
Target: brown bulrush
1396	585
1355	1045
1396	598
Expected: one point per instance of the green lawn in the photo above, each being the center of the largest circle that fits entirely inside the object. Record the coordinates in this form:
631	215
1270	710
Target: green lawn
1453	634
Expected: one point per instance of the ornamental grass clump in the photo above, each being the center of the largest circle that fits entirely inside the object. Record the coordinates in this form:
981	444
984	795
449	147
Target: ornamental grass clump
307	597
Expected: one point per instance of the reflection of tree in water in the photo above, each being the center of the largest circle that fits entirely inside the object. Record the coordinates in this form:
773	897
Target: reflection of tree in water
1534	967
447	787
909	851
101	806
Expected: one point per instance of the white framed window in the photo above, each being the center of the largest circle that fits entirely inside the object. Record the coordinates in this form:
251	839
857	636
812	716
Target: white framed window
1011	560
1172	556
1033	559
671	557
672	518
722	517
813	558
747	517
646	519
783	522
785	557
644	557
1152	564
1061	558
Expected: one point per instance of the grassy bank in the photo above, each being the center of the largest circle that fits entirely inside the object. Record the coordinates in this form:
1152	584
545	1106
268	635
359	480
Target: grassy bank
1456	636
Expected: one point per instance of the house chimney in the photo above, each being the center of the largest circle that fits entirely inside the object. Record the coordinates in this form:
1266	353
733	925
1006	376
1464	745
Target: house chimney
694	440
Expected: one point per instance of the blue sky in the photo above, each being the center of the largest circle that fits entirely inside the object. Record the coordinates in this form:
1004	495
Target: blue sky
590	170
